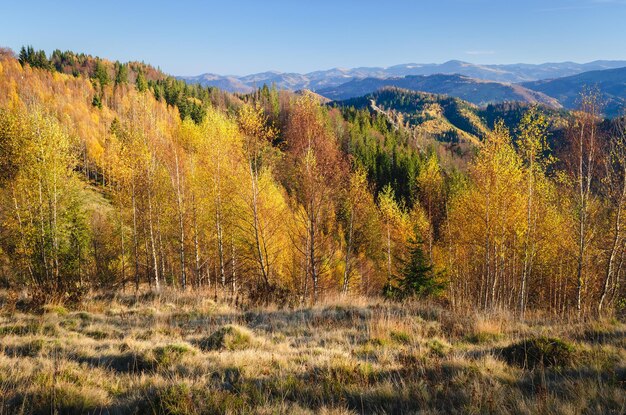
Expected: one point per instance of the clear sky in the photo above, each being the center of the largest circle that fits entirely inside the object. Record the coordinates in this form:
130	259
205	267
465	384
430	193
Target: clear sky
242	37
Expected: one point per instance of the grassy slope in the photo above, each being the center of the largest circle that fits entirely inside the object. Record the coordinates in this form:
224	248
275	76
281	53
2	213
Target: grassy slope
184	353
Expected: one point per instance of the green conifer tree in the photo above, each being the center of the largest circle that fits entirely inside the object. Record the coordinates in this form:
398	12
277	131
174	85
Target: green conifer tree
141	82
417	277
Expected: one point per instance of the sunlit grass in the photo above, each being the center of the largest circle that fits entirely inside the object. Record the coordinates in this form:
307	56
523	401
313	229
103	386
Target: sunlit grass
185	354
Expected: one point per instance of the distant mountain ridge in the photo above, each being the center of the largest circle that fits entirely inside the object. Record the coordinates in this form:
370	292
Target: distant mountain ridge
610	83
227	83
479	92
510	73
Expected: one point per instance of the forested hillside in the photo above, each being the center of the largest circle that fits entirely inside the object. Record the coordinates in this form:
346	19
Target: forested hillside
114	179
450	127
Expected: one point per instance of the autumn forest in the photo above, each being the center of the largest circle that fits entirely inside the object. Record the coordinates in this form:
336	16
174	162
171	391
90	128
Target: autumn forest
118	177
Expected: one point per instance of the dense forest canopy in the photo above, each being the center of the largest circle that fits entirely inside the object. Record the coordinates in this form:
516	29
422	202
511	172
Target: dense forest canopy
116	176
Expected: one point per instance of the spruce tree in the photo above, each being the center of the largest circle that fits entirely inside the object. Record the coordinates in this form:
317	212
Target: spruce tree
121	73
141	82
417	277
101	74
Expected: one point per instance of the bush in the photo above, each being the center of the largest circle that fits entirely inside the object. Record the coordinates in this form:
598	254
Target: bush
48	300
540	351
271	294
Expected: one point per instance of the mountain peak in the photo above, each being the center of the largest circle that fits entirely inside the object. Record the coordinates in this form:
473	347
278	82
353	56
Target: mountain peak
456	62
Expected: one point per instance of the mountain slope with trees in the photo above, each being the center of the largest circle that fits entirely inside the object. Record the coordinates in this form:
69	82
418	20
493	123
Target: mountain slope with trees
442	118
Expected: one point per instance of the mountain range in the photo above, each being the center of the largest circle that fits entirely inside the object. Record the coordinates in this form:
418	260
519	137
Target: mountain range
510	73
555	85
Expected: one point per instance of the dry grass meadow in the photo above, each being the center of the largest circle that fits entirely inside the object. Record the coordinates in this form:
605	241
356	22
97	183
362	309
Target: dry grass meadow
187	354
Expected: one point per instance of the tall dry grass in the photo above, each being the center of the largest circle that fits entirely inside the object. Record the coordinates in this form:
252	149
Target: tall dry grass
185	353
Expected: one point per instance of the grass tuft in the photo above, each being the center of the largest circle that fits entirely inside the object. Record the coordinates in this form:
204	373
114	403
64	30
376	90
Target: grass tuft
171	354
539	351
55	309
230	337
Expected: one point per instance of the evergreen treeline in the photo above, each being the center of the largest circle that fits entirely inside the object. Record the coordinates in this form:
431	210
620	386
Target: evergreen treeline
275	197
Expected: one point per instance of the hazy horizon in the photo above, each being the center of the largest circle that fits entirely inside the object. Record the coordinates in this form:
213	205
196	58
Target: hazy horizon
400	64
16	50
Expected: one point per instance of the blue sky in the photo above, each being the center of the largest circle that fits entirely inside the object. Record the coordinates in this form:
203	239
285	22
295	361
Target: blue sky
241	37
